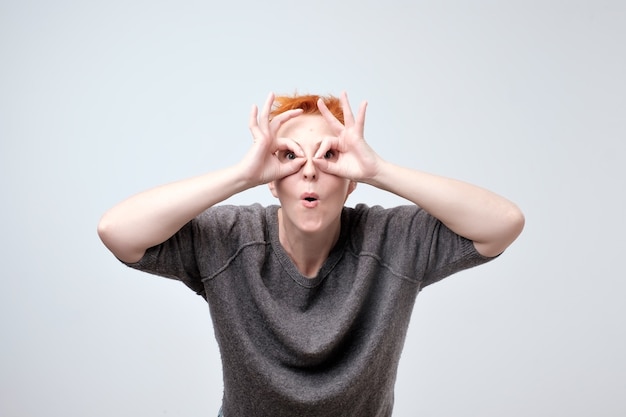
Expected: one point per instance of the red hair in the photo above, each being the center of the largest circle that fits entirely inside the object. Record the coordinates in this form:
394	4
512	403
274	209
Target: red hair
308	103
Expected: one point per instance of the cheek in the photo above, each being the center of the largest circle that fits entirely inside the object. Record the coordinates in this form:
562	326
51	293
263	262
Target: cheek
282	187
341	189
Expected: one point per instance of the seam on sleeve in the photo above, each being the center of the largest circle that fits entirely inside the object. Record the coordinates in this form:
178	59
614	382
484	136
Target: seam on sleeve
232	258
388	267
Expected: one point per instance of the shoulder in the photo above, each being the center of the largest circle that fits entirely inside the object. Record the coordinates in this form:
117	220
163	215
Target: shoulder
227	224
376	227
229	215
226	211
363	215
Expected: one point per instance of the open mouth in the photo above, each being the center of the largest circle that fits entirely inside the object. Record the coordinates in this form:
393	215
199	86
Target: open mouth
309	199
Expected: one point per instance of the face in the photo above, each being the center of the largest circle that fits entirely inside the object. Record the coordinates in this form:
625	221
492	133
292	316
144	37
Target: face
311	200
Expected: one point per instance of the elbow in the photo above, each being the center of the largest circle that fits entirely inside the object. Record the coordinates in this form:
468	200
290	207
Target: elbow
513	222
512	226
517	222
509	226
106	231
112	237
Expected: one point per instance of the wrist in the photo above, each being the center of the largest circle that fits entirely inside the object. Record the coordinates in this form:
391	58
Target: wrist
242	178
379	174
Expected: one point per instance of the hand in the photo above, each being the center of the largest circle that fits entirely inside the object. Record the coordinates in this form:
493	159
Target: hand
346	154
261	163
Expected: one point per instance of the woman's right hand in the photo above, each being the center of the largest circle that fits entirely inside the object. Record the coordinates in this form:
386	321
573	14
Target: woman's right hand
261	163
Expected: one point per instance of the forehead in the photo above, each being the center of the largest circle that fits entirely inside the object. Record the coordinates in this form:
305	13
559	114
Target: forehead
305	127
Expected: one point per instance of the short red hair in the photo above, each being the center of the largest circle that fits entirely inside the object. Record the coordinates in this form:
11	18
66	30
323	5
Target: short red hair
308	103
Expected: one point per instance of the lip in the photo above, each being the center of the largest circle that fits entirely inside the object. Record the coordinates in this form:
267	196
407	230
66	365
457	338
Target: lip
309	200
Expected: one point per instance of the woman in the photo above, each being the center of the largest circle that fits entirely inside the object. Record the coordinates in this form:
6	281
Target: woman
310	300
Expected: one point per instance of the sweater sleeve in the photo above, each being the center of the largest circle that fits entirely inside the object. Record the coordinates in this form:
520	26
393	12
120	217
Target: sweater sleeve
414	244
203	245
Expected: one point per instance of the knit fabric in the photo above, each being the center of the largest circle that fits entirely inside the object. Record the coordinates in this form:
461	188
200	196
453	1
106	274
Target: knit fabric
324	346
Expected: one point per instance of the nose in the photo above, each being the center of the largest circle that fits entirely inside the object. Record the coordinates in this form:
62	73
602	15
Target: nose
309	170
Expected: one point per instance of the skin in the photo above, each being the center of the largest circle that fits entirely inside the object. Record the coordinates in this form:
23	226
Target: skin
309	228
298	154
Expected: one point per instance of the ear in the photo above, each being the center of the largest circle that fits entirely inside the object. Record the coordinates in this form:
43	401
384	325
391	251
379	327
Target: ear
272	187
351	187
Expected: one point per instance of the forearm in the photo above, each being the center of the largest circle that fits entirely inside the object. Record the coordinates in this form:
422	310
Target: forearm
151	217
489	220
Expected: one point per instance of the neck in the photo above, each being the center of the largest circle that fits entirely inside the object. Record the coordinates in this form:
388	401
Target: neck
308	251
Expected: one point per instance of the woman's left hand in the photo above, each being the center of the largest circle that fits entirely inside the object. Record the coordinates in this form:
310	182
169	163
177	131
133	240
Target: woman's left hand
346	154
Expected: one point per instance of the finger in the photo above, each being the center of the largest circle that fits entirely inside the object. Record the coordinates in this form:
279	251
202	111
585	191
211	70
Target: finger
289	114
265	112
253	116
288	166
278	121
329	167
292	166
327	144
330	118
360	118
283	144
348	117
253	122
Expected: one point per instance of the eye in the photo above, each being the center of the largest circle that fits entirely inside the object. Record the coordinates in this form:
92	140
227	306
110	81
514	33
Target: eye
329	154
289	155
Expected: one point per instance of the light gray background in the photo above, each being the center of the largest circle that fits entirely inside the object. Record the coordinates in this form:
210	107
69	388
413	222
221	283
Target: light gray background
102	99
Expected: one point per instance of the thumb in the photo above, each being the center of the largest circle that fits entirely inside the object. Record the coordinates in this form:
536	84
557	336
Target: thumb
324	165
291	167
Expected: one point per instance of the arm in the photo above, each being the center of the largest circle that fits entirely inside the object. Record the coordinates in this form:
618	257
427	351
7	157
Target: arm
489	220
151	217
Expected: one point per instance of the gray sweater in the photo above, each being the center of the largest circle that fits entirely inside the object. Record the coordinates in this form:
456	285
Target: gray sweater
325	346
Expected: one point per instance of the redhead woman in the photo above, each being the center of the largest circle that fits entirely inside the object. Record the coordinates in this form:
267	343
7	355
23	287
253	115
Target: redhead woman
310	299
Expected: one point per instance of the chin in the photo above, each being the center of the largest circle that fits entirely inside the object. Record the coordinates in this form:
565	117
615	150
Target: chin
312	220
